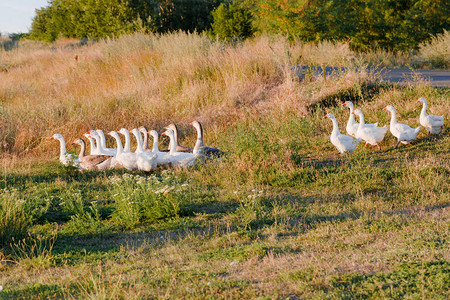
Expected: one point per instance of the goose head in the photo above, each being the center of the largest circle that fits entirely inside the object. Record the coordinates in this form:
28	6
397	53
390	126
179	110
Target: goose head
143	129
93	133
197	125
349	104
124	131
78	142
56	136
113	134
389	108
421	100
169	133
357	112
153	133
171	127
329	116
135	131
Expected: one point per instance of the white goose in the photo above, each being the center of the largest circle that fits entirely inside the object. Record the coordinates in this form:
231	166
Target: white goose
163	157
99	149
65	158
342	142
123	159
180	159
404	133
434	124
200	149
371	135
93	147
92	162
105	149
126	134
144	132
352	125
179	148
146	161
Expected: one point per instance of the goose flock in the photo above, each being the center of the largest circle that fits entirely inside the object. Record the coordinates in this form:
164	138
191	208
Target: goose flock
143	158
373	135
146	159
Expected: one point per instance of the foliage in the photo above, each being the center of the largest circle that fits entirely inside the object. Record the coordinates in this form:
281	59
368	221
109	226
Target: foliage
367	25
231	21
184	15
394	25
83	19
96	19
146	199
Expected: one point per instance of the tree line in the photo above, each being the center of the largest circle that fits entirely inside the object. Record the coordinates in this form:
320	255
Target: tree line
398	25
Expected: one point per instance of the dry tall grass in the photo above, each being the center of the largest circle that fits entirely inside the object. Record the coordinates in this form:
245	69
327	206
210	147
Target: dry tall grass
153	80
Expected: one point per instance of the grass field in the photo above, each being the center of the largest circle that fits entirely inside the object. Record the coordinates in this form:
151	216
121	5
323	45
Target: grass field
281	217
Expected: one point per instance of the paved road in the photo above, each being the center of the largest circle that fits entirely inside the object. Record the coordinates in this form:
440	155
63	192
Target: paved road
437	78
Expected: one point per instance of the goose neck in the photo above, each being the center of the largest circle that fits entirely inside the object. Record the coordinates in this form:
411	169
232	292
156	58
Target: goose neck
98	142
351	119
335	127
102	138
92	145
423	112
155	143
127	147
199	142
83	149
119	144
393	117
145	143
139	141
172	144
62	147
351	107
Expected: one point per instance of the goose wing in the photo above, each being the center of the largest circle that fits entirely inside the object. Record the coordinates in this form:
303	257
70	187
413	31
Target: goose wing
96	159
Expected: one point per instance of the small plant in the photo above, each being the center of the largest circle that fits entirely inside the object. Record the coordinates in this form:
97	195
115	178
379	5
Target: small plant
147	199
14	219
34	250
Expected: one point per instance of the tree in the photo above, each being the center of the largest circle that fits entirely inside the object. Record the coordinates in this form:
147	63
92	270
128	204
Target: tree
232	21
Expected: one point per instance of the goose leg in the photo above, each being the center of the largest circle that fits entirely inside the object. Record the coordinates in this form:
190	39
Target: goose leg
396	146
379	147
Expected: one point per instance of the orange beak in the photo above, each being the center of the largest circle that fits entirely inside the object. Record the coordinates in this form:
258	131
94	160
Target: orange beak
324	117
385	108
344	104
417	101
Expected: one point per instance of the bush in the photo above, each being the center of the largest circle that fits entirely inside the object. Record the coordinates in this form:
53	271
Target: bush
146	199
232	21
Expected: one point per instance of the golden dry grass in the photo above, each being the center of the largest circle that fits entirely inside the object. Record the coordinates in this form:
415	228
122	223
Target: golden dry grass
152	80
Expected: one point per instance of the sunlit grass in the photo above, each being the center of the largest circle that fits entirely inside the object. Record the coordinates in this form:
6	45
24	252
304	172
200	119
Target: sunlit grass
281	216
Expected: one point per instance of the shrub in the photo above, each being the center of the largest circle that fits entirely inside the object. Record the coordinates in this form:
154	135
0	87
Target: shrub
232	21
146	199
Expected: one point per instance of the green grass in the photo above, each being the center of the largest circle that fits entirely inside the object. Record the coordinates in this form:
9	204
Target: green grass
368	225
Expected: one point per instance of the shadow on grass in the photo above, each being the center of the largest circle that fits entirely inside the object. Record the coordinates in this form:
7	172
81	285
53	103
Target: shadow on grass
50	172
